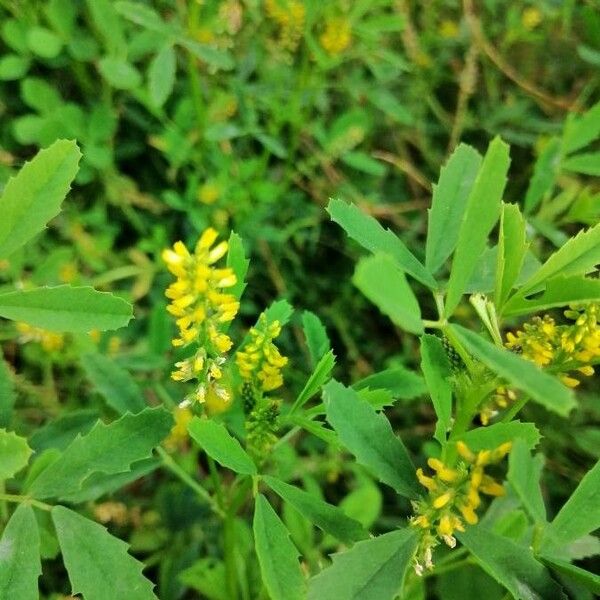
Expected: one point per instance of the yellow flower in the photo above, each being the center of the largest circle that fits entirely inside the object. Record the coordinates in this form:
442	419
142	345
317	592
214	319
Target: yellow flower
260	361
179	433
453	497
337	35
448	28
202	309
531	17
209	192
50	341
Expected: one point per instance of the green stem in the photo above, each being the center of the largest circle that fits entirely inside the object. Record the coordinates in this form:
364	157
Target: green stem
170	464
230	563
450	567
512	412
25	500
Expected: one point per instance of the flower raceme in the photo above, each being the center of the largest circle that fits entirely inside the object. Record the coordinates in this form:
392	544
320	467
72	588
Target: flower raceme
202	309
260	361
453	498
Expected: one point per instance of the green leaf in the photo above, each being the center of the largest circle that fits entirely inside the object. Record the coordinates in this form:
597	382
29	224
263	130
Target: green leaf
43	42
481	214
13	67
219	444
119	73
208	576
586	163
524	473
371	570
14	454
436	369
61	431
109	24
448	205
7	393
578	256
327	517
361	161
492	436
591	581
161	75
579	515
401	382
20	564
511	564
280	310
371	235
579	132
114	383
98	564
559	291
394	299
369	436
40	95
66	308
545	172
108	449
512	248
522	374
316	336
34	195
214	57
236	260
143	15
319	376
277	555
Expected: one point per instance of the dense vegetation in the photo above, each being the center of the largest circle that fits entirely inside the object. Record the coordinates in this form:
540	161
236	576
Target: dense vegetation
359	241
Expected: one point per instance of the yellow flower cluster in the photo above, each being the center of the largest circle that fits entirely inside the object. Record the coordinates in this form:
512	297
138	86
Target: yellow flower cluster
290	16
562	348
337	35
260	362
453	497
202	310
48	340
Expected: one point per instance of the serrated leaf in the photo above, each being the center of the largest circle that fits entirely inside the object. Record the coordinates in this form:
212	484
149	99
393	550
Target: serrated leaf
318	377
66	308
33	196
62	430
280	310
580	131
370	570
578	256
236	260
394	299
114	383
316	336
545	172
20	564
107	449
448	205
277	555
369	436
481	214
559	291
14	453
221	446
580	514
401	382
327	517
520	373
316	428
98	564
512	249
492	436
511	564
524	473
7	393
161	75
371	235
437	372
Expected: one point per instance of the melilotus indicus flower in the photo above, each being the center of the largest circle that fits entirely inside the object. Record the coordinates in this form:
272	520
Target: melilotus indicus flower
289	16
259	363
202	309
453	498
569	350
337	35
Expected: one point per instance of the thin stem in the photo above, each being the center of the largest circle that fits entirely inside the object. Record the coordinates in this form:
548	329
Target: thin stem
25	500
450	567
514	409
170	464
